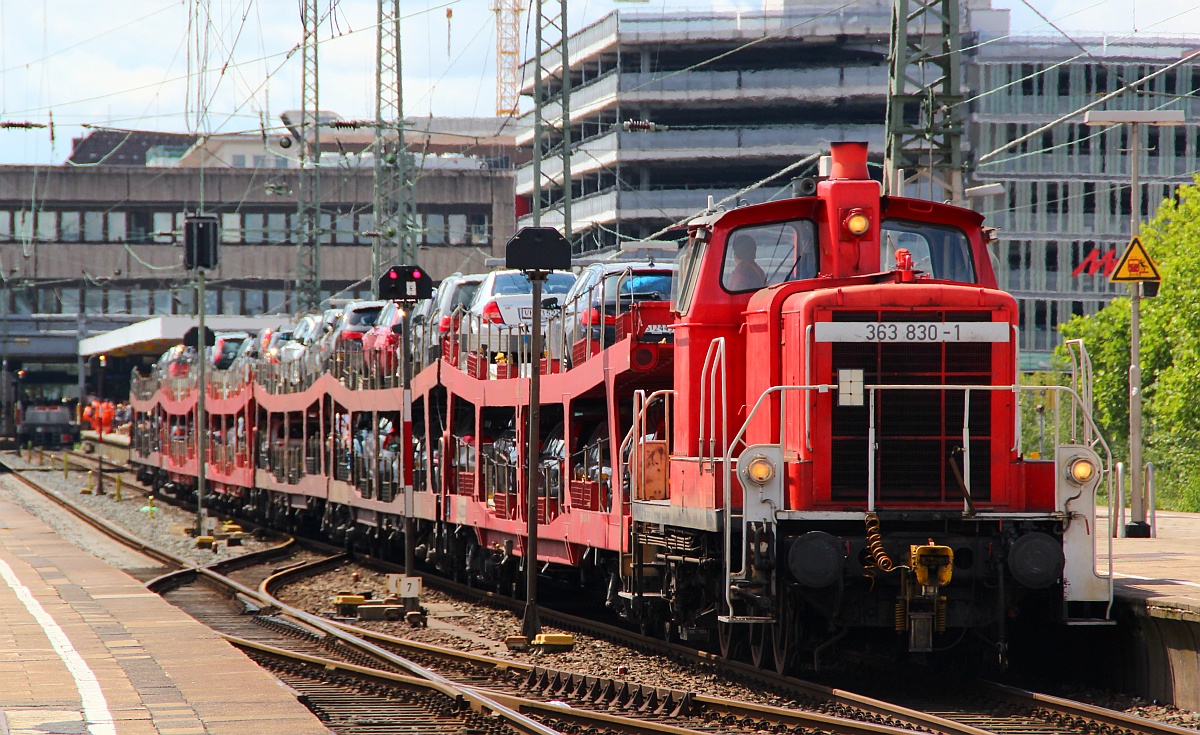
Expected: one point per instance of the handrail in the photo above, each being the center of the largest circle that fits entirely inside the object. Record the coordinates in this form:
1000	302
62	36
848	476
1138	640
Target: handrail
714	358
641	402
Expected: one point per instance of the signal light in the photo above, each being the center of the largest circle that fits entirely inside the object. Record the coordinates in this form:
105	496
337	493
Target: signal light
201	241
405	283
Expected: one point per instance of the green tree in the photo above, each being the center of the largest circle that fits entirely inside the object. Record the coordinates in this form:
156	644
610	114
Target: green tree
1170	355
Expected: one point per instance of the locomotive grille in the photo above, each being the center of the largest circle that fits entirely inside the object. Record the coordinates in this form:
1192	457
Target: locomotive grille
918	432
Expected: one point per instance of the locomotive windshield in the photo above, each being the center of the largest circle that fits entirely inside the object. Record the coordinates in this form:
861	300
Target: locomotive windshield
766	255
941	252
687	266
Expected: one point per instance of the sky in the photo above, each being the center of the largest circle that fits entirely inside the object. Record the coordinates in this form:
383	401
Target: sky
135	64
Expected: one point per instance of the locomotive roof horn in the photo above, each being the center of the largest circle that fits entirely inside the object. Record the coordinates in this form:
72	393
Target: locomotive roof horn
849	160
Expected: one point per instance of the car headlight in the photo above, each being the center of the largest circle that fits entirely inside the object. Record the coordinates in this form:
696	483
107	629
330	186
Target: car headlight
760	470
1081	470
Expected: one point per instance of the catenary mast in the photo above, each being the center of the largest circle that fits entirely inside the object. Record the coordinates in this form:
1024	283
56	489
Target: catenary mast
924	107
308	194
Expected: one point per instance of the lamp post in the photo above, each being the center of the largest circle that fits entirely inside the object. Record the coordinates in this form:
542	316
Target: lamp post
1137	527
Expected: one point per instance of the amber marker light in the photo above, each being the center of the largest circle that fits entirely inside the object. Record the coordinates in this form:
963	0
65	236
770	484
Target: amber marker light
857	223
1081	470
760	470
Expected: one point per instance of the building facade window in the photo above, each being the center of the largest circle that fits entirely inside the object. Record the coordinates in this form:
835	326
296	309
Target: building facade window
277	227
68	226
139	301
231	227
69	301
254	303
231	301
161	302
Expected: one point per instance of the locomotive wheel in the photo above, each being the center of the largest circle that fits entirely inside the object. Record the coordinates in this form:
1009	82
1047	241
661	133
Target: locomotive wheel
731	639
782	635
760	645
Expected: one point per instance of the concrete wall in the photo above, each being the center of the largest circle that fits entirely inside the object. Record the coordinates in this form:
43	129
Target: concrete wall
1161	655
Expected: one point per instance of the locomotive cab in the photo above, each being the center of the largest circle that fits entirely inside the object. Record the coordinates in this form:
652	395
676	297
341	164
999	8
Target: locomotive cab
846	432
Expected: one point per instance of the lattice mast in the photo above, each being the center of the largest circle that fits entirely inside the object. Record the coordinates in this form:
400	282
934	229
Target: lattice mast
552	83
392	205
508	56
925	121
308	194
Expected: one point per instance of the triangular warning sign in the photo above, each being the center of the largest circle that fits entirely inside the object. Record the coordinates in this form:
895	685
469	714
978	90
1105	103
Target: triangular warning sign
1135	265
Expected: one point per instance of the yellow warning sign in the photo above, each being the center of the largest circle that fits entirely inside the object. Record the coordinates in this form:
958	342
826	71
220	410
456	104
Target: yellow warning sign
1135	265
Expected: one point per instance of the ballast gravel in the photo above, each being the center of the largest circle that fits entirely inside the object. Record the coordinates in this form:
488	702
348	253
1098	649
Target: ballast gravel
156	523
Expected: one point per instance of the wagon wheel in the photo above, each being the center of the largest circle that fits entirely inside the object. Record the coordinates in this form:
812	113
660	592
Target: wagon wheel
783	635
731	639
760	645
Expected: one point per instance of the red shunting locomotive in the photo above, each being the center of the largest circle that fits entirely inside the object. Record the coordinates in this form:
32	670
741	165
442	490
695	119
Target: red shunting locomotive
819	434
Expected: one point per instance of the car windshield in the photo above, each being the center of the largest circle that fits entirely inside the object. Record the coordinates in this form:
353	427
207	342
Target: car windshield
364	317
464	294
639	286
519	283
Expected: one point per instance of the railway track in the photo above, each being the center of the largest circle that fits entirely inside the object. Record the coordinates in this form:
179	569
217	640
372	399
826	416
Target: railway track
987	709
357	685
982	709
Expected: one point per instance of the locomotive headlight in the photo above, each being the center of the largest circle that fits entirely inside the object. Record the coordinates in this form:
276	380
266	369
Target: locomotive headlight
857	223
760	470
1081	470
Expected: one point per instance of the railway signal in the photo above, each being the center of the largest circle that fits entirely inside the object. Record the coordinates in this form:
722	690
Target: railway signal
405	283
201	241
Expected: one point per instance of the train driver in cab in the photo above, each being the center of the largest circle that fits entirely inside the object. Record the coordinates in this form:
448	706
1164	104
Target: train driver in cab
747	275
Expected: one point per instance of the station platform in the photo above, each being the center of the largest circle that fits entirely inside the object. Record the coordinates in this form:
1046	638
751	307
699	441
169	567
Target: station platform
1161	576
86	649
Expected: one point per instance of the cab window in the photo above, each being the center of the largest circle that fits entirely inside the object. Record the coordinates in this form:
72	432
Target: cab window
765	255
687	265
938	251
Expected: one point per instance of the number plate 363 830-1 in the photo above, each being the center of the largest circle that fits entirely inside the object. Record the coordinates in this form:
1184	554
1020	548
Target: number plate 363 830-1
912	331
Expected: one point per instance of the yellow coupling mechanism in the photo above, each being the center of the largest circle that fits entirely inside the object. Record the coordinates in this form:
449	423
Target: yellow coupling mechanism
932	564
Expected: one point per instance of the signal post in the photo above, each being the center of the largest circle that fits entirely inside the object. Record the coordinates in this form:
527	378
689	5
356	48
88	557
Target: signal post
201	240
536	251
406	284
